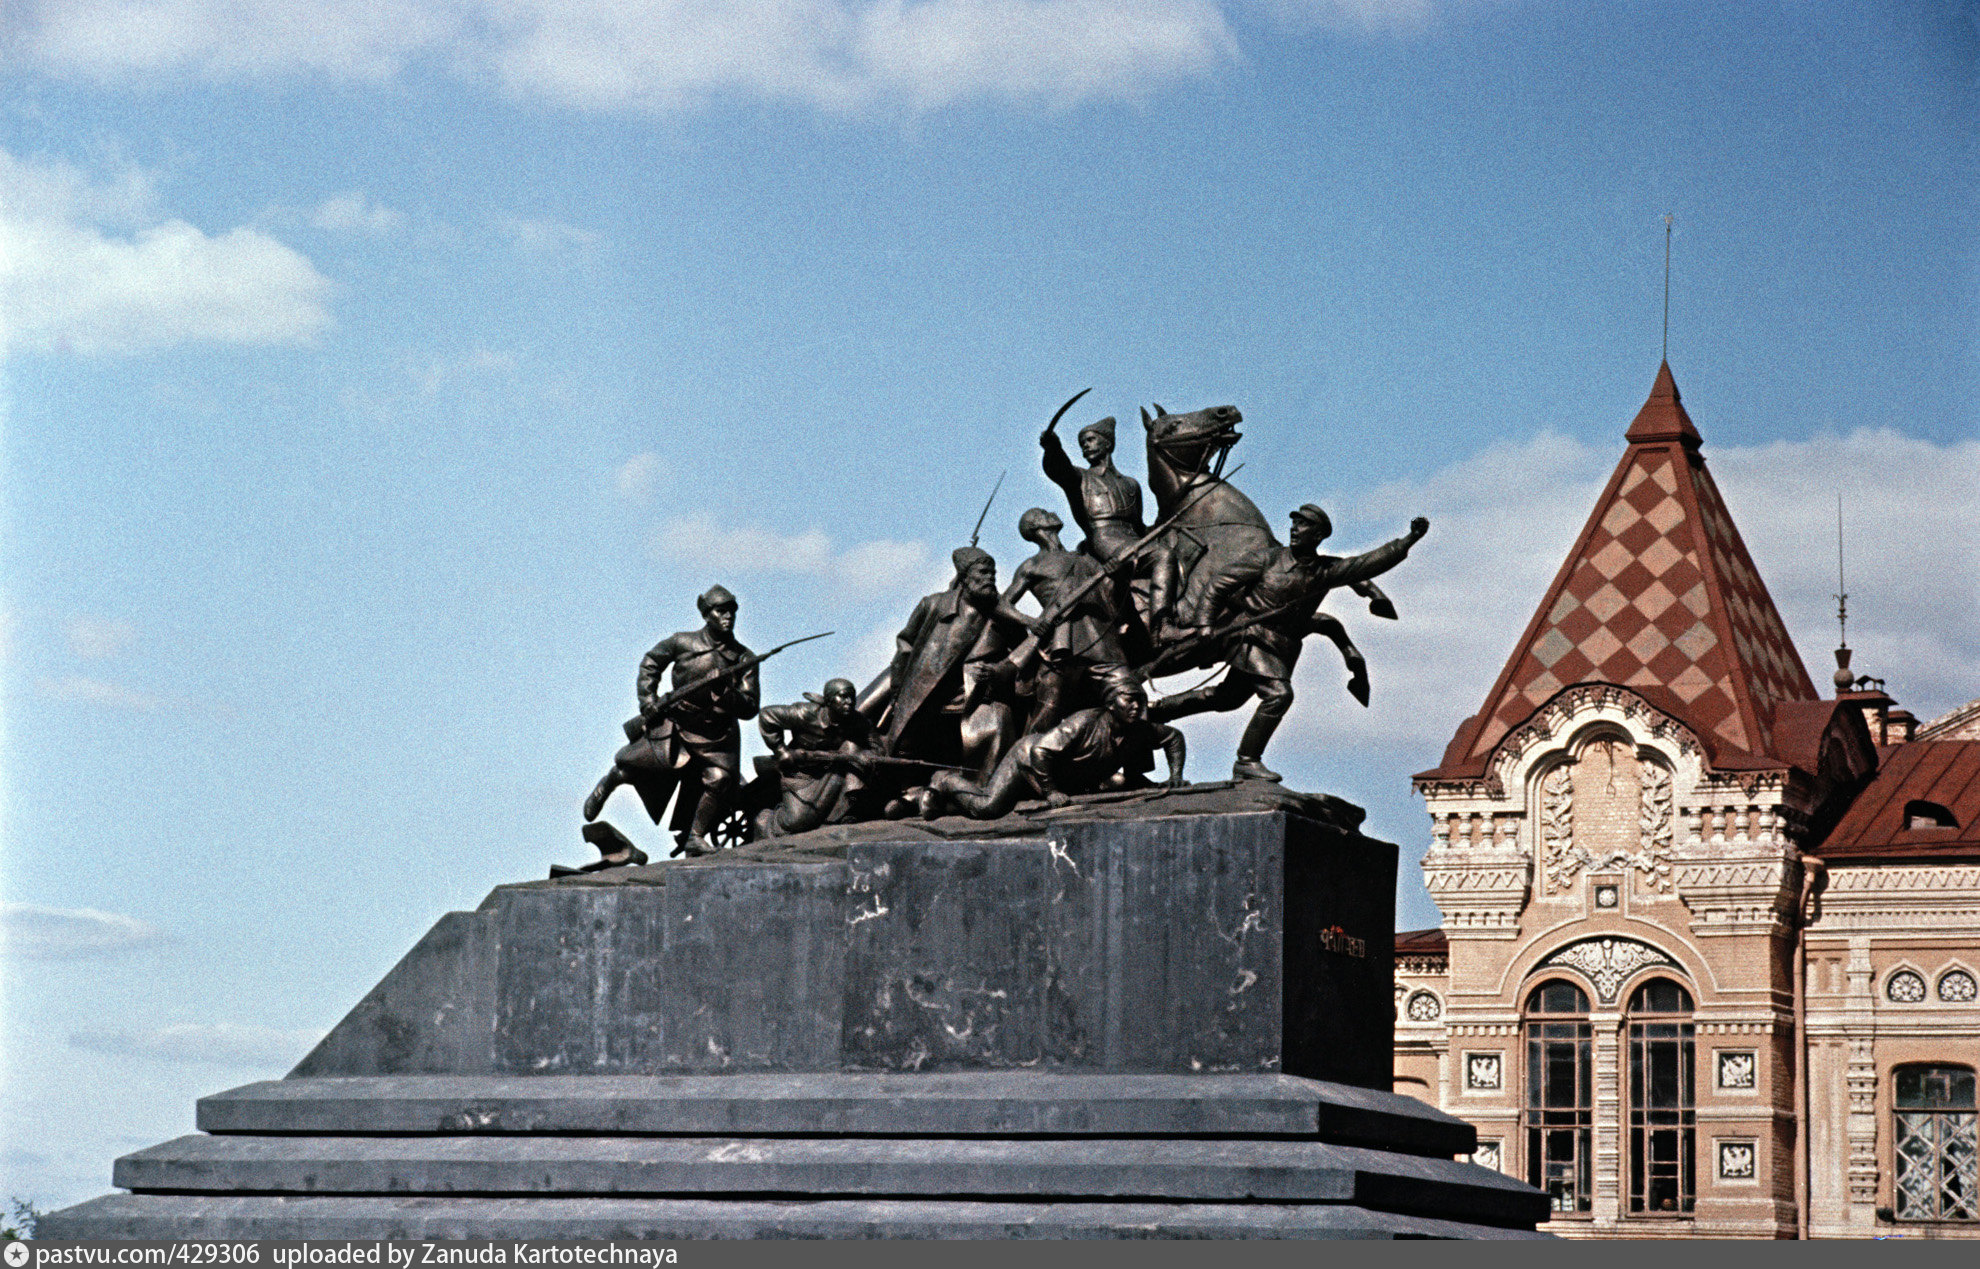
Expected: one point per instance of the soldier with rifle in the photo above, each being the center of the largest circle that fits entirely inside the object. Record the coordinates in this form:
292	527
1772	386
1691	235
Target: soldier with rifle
687	741
822	747
1273	596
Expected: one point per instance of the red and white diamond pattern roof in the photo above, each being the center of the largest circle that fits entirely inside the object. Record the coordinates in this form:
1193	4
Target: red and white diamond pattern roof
1660	593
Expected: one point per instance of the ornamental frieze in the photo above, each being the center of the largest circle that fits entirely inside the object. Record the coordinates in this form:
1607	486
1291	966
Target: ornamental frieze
1608	963
1553	717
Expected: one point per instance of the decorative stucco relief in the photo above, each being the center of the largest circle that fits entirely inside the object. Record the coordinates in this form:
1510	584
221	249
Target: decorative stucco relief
1558	715
1608	963
1602	834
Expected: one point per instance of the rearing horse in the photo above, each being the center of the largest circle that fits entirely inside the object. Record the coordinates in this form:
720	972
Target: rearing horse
1218	523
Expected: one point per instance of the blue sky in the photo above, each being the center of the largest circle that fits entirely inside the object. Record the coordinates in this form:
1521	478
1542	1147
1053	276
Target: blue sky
382	378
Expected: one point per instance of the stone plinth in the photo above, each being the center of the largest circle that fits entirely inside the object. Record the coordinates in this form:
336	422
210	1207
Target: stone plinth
1230	930
1159	1017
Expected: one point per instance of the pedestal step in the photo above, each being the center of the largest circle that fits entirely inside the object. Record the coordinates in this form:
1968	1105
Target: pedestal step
1080	1168
1000	1104
135	1216
970	1154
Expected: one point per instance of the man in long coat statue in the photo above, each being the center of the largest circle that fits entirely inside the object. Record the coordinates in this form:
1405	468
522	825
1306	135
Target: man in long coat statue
951	679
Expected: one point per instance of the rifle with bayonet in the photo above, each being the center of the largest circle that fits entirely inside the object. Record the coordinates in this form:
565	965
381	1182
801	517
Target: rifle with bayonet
1177	652
636	727
867	757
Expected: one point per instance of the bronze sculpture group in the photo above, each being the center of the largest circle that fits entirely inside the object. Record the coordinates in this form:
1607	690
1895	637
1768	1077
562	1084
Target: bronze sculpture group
984	705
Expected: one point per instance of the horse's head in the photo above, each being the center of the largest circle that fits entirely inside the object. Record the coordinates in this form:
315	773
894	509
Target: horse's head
1191	442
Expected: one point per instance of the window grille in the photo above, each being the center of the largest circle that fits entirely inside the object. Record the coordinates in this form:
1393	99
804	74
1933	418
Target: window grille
1906	987
1560	1096
1935	1136
1662	1115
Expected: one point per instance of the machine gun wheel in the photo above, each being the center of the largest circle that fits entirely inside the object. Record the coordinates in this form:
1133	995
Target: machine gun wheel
737	828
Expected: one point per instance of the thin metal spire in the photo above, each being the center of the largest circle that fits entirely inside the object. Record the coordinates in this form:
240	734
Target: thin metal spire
1667	287
1842	592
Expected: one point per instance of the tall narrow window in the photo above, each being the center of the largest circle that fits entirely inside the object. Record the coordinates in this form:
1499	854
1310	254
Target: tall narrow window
1662	1119
1935	1144
1560	1096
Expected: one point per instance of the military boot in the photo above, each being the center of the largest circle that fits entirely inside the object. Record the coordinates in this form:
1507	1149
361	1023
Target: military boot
1250	763
594	805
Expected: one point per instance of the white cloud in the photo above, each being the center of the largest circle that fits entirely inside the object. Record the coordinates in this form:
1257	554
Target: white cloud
77	687
1502	522
353	212
95	639
38	933
658	54
1367	15
1052	51
700	542
1911	513
864	571
636	476
237	39
223	1043
72	279
544	236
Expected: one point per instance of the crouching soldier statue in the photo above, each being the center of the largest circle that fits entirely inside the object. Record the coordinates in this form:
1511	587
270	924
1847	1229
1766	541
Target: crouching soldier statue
691	744
1092	750
823	747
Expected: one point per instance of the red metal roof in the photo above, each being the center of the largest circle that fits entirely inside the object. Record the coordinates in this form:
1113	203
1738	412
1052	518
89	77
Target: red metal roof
1658	595
1944	773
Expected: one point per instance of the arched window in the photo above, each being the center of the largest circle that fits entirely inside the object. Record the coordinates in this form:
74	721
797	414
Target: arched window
1935	1144
1662	1118
1560	1096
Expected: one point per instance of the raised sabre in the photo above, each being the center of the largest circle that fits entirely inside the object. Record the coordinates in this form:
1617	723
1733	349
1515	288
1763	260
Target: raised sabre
1053	426
973	533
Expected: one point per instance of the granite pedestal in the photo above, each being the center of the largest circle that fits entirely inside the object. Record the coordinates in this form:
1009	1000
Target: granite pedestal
1157	1017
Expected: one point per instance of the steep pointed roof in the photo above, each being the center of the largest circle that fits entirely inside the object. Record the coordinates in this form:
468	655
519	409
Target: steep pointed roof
1662	417
1658	595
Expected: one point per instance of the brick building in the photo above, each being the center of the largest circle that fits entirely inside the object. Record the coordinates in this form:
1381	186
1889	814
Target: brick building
1691	904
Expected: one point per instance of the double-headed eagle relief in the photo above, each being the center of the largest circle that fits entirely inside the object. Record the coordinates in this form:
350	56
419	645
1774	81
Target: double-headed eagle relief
987	706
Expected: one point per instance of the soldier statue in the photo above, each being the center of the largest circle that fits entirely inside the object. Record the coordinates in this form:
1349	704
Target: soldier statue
1084	644
1111	747
822	746
1269	600
950	687
1106	504
691	743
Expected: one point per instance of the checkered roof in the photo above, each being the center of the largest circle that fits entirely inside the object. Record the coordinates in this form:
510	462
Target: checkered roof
1659	593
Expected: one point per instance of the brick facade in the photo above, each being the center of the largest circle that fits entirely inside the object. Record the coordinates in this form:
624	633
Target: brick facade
1655	797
